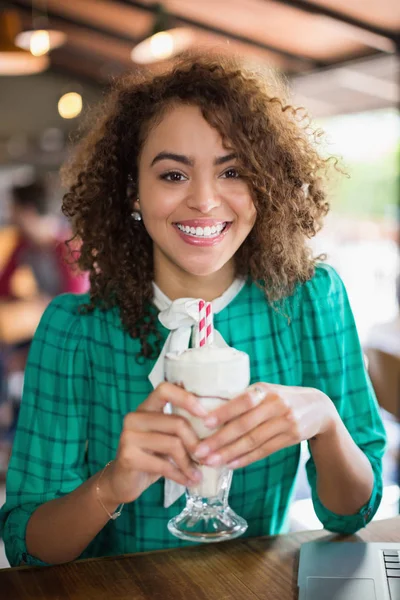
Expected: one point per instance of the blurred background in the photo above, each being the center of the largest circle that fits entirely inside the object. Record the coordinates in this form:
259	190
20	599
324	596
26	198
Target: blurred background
340	61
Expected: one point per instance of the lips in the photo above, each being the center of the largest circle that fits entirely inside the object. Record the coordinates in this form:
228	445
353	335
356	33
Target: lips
202	232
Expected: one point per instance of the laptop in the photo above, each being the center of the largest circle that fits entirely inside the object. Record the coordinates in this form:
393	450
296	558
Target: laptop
349	571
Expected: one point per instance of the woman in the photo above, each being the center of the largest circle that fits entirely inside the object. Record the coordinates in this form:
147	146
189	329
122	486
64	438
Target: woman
197	183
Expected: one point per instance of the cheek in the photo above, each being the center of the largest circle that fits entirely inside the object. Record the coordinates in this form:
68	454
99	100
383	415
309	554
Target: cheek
252	212
250	208
157	203
153	199
243	206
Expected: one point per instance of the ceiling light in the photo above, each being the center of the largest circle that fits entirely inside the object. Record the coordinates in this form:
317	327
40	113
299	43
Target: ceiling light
70	105
14	60
163	41
162	45
40	41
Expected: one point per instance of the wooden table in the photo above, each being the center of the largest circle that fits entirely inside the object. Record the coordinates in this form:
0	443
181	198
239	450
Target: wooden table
244	569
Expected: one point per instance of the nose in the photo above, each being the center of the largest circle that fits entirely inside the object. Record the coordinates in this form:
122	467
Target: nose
203	197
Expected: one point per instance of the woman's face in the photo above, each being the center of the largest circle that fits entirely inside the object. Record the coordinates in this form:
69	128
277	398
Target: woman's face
195	206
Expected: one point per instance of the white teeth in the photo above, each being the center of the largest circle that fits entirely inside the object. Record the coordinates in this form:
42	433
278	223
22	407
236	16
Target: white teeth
202	231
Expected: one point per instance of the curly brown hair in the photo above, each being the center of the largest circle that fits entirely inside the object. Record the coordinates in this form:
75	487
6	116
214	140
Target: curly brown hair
277	154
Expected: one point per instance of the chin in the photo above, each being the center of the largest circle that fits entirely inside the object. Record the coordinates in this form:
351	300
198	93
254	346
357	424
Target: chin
201	270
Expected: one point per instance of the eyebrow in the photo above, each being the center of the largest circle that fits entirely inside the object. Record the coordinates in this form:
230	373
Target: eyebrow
187	160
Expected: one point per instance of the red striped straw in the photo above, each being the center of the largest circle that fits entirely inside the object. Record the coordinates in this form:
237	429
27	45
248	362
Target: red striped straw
209	324
202	323
206	328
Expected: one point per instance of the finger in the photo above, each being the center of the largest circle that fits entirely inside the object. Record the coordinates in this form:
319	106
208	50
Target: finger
169	446
177	396
251	398
161	423
235	429
277	443
247	443
163	467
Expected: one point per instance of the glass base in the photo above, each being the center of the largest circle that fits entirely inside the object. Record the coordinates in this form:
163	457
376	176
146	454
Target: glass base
201	521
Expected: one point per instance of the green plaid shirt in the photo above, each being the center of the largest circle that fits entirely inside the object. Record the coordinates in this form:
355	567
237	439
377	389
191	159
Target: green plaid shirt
82	378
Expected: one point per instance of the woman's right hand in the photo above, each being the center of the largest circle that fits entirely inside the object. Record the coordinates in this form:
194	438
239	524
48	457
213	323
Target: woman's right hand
153	445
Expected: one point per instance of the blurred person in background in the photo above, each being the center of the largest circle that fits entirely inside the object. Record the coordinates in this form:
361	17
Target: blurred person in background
33	269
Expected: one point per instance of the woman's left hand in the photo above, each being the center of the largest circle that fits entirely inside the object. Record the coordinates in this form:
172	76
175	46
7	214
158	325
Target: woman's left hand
262	420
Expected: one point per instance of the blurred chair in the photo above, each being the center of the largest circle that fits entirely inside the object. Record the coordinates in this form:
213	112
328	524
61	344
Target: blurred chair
384	371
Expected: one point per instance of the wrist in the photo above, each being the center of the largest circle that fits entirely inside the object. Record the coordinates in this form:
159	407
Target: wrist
104	488
331	422
332	427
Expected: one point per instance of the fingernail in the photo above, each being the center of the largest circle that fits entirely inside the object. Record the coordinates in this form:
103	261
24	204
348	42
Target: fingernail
196	475
201	451
214	459
200	410
233	464
257	394
211	422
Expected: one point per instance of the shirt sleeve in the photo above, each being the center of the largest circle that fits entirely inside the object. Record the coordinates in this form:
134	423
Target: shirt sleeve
48	457
333	362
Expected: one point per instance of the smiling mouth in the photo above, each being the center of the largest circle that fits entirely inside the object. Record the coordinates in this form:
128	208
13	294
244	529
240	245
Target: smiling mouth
207	232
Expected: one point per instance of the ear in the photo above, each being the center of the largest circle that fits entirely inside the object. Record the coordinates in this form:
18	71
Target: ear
136	205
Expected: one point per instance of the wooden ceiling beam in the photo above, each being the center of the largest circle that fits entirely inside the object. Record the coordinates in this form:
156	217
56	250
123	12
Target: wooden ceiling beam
53	15
180	19
318	9
303	62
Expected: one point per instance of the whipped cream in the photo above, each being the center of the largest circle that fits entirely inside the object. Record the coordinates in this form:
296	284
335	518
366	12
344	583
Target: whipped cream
209	371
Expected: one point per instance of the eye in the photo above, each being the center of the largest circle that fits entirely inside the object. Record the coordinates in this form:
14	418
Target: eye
231	173
173	176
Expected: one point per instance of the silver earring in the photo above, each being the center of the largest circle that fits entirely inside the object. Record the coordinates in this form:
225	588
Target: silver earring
136	216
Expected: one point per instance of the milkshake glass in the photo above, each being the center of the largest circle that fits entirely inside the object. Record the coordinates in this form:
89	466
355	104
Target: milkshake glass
215	375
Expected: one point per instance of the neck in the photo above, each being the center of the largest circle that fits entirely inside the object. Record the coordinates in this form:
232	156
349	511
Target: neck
208	287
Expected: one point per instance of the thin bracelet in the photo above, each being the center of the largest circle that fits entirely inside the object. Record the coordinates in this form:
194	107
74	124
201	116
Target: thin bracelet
118	512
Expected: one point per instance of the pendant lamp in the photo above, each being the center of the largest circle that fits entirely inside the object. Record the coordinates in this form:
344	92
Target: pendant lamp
14	60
